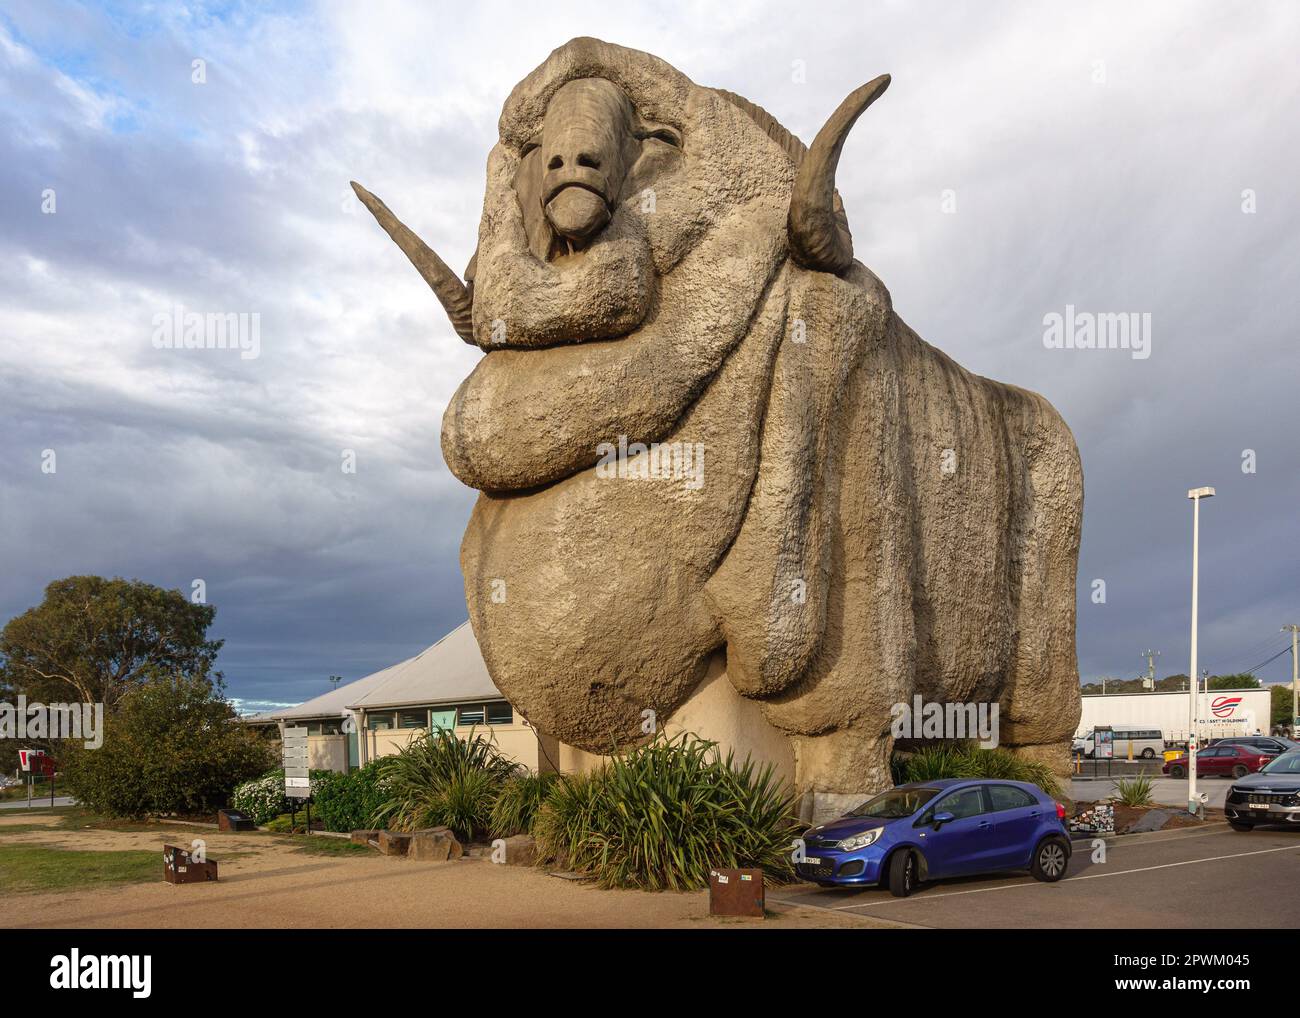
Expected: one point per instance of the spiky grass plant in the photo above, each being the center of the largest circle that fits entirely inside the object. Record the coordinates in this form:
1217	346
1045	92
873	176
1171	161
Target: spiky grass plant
1135	791
661	816
439	779
518	801
968	760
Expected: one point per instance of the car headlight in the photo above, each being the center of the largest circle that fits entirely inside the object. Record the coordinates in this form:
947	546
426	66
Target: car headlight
860	840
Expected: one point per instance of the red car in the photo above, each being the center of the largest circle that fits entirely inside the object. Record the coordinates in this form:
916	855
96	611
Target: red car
1229	761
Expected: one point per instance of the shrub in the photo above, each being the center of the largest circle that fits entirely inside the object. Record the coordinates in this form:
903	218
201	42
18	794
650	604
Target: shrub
263	799
173	745
439	779
517	803
348	802
666	813
1134	791
967	760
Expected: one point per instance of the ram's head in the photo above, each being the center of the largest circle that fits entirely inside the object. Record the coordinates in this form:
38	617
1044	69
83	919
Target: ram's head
613	168
637	230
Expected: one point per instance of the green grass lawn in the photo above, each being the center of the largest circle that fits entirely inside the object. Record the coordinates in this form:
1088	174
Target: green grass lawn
41	868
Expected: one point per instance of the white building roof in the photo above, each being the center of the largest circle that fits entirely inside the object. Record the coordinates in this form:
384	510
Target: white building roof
450	671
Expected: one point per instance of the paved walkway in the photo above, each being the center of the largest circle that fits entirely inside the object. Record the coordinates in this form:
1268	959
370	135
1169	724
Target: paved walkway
37	802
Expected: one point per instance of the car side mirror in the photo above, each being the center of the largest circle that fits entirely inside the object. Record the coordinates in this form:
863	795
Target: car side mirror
943	818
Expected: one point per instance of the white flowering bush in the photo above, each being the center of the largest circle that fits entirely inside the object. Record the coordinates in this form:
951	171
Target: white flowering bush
263	800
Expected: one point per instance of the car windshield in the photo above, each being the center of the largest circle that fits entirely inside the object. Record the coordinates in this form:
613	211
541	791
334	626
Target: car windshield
1288	764
896	803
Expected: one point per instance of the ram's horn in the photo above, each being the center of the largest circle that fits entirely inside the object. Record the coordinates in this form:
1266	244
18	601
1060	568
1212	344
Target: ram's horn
446	285
818	230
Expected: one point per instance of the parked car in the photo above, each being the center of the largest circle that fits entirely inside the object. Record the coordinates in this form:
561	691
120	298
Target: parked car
931	830
1147	743
1229	761
1273	745
1271	796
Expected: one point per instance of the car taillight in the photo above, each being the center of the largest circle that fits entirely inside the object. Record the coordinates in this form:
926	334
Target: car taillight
1060	812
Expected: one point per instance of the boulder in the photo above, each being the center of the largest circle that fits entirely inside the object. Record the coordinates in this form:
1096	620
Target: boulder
393	843
521	850
435	844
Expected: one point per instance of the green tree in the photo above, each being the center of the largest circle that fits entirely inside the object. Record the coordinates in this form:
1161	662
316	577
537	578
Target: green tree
1241	681
1280	701
94	640
174	745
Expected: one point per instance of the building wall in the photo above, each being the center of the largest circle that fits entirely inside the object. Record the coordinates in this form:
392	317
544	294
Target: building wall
517	741
327	752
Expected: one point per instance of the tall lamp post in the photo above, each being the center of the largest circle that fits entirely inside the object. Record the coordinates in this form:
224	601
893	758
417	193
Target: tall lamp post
1196	494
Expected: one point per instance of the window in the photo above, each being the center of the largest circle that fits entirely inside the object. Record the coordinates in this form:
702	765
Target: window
1008	797
496	713
324	728
969	802
413	718
382	721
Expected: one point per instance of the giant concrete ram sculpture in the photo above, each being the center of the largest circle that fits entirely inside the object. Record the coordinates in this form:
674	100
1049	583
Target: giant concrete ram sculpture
721	479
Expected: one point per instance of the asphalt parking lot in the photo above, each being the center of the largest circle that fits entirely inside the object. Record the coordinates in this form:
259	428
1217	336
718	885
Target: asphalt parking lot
1184	879
1165	791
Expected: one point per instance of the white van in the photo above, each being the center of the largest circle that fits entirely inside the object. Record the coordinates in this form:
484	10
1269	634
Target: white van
1147	743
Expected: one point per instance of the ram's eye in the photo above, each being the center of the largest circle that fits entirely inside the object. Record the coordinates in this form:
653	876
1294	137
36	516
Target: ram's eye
664	134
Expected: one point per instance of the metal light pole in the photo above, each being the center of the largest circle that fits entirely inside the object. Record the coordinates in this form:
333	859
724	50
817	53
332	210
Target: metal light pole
1295	681
1196	494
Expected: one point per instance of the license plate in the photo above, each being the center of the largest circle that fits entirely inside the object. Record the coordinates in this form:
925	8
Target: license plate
1257	805
812	862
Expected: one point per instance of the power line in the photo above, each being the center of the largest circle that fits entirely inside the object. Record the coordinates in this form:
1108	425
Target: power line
1252	671
1286	645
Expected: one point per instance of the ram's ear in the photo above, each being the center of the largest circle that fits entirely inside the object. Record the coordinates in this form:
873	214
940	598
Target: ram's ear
528	191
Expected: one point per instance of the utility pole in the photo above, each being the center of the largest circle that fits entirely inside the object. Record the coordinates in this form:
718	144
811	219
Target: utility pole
1195	494
1295	680
1151	656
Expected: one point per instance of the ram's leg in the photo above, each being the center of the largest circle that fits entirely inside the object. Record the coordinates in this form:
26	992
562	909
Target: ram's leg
839	770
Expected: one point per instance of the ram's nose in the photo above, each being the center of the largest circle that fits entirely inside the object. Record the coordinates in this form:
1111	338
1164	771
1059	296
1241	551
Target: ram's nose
576	186
576	212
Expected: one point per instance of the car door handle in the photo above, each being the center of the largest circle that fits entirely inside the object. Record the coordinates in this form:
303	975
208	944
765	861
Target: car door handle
985	825
1035	813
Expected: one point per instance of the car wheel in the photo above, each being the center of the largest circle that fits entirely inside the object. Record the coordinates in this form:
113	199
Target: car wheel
1177	772
1240	771
1240	825
1050	860
1148	754
902	874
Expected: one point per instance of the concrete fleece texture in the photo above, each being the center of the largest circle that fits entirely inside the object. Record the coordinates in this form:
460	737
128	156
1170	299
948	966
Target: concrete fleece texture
269	885
841	512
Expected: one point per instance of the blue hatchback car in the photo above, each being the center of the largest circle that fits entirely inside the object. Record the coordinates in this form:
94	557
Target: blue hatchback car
929	830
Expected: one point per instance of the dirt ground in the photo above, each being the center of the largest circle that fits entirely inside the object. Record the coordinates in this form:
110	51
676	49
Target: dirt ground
266	882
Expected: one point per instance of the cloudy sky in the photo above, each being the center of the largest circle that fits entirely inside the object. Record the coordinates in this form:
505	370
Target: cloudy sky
1027	156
